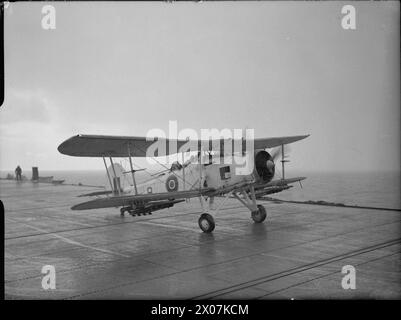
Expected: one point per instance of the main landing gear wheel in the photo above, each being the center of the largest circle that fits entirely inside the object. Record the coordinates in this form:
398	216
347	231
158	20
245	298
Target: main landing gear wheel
259	215
206	223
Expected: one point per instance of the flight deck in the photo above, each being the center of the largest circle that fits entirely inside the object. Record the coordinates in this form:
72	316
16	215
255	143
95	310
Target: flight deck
297	253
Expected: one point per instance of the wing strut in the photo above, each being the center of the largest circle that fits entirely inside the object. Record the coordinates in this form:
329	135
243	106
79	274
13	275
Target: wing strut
132	168
200	170
200	178
283	161
108	175
183	168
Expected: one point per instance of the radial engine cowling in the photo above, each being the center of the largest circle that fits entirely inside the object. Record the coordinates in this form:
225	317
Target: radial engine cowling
264	166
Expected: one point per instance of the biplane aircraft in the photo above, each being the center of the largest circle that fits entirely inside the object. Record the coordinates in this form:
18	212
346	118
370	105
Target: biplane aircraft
202	176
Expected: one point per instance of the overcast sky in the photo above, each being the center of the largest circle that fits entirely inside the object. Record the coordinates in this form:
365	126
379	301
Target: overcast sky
282	68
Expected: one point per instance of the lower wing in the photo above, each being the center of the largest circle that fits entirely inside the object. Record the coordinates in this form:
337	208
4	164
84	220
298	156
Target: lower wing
275	186
140	199
165	197
260	188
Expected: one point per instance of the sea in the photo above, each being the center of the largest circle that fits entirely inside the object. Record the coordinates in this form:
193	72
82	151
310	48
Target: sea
375	189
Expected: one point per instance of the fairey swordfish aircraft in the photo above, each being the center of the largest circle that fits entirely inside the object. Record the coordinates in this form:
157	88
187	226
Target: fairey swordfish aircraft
203	176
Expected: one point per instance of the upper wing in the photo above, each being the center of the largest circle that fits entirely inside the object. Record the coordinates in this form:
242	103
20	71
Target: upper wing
104	146
127	200
264	143
117	146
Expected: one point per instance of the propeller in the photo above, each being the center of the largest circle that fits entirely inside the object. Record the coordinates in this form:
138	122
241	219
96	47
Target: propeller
276	152
270	166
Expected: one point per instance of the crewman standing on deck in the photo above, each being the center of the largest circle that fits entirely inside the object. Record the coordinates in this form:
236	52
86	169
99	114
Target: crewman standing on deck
18	172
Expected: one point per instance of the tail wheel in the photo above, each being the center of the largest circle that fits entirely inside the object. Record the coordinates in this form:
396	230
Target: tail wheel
259	215
206	223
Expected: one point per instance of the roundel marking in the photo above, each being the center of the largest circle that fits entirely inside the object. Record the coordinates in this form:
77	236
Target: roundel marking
149	190
172	183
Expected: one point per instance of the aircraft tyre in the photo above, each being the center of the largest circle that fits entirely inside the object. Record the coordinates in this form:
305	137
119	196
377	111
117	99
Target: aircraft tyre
259	215
122	212
206	223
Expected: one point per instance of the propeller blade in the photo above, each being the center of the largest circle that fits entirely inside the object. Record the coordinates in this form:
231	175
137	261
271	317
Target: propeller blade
276	152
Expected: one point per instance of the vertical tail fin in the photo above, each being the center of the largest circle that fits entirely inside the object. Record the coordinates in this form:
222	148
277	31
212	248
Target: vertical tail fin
118	178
